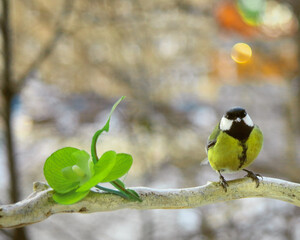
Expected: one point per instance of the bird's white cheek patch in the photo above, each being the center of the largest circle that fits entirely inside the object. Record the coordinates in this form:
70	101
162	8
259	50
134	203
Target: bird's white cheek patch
225	124
248	121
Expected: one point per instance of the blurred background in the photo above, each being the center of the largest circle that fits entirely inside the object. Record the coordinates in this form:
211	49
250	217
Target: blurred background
181	64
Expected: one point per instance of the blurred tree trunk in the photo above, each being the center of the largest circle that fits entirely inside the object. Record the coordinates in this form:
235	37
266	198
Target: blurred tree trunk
297	13
11	87
8	94
296	112
293	111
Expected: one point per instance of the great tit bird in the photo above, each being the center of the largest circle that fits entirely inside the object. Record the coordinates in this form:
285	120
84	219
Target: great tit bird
234	144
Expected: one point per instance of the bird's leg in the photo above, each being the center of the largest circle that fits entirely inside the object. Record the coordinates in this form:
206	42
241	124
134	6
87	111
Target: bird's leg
253	175
223	182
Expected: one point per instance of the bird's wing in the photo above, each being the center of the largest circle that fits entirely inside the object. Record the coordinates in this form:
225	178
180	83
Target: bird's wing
212	139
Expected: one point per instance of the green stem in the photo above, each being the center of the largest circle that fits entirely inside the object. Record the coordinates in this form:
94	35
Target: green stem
118	184
98	133
93	146
129	194
111	191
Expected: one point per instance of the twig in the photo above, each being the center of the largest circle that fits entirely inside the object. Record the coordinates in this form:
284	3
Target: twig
48	48
40	205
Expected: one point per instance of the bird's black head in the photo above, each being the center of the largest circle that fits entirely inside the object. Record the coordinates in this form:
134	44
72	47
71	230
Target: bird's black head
237	123
235	113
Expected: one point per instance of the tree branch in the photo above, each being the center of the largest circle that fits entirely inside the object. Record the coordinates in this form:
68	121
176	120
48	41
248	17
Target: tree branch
40	205
49	46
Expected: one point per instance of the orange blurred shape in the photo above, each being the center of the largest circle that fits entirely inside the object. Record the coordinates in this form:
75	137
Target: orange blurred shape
229	18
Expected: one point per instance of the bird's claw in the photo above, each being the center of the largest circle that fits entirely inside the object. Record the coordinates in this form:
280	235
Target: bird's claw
223	183
253	176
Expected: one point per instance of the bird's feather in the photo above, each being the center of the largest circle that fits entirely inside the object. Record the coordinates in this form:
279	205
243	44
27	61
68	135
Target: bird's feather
212	139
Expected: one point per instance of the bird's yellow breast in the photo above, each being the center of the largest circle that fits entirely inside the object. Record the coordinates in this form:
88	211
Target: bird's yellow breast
227	153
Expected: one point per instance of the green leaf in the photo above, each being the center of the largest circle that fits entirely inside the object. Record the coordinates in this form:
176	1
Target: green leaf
82	161
106	157
134	195
119	182
70	197
121	167
130	194
69	174
54	165
84	164
102	168
99	132
78	171
106	126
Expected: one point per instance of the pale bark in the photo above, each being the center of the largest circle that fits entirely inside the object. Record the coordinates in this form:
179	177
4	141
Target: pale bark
40	205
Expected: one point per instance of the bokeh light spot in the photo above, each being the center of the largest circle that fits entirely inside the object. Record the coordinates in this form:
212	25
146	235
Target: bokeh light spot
241	53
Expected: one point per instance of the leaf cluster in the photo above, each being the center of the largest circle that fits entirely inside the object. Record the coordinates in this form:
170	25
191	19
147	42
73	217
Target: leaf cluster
72	172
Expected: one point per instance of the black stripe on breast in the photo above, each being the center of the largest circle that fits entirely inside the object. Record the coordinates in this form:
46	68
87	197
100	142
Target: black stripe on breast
243	156
239	130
